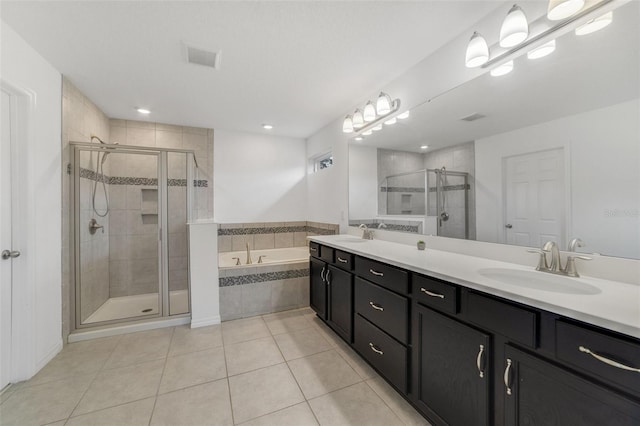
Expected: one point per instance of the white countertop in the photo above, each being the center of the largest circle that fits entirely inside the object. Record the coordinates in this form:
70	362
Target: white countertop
616	307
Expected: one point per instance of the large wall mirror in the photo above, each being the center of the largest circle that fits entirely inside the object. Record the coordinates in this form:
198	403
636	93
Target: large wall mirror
550	151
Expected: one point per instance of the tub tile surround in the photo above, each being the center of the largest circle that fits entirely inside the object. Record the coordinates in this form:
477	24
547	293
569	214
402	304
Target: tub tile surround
230	368
259	289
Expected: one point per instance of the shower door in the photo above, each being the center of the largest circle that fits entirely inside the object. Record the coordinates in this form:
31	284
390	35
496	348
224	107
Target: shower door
117	233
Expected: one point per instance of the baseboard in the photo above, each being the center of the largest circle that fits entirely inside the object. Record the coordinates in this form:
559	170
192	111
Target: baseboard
205	321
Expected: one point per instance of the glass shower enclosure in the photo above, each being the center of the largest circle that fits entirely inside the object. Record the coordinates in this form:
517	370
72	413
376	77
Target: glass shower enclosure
131	207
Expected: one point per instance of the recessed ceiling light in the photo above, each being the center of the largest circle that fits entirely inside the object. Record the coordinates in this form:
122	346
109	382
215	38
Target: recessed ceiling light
267	126
143	111
424	147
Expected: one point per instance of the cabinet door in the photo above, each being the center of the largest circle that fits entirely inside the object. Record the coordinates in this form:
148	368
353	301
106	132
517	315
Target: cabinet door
318	290
340	311
451	375
538	393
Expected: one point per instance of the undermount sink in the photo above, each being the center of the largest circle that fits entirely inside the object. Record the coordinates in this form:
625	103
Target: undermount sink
539	281
351	240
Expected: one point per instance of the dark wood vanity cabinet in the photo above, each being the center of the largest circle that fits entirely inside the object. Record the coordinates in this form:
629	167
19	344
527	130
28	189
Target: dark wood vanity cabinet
451	369
464	357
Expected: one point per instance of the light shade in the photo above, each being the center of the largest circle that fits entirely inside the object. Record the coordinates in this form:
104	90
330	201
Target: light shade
391	121
515	28
477	51
358	119
369	112
561	9
503	69
376	128
367	133
595	24
542	50
347	124
383	105
403	115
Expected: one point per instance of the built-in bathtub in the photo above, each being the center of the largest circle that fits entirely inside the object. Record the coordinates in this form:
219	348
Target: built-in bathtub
279	283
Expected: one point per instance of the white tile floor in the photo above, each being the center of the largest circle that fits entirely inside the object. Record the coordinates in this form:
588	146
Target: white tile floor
279	369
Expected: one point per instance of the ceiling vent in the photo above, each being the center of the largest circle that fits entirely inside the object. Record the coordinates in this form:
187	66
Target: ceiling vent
473	117
203	57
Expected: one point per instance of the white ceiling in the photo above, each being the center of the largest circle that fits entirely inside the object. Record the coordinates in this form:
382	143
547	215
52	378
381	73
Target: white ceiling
297	65
584	73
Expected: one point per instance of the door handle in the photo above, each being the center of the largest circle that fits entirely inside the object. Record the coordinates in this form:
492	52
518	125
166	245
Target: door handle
508	226
10	254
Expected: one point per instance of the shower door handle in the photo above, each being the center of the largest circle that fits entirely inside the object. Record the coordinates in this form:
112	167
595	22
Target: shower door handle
508	226
10	254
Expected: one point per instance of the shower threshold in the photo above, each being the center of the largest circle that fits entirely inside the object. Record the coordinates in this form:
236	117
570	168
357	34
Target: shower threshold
138	306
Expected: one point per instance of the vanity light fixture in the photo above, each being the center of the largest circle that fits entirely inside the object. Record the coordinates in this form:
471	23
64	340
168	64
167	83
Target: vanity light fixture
358	119
477	51
267	126
369	112
561	9
542	50
143	111
503	69
595	24
347	124
370	118
515	28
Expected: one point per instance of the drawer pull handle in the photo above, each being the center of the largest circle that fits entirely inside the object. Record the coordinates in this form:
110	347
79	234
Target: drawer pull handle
313	249
341	260
376	307
479	361
376	273
429	293
507	375
607	360
376	350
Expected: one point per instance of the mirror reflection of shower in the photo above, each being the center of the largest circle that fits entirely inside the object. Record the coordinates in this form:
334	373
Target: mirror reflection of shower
442	178
100	176
448	201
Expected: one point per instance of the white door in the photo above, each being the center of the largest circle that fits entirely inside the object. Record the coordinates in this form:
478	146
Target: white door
534	191
5	240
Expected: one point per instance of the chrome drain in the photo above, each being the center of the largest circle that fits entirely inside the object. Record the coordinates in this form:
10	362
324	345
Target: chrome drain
144	311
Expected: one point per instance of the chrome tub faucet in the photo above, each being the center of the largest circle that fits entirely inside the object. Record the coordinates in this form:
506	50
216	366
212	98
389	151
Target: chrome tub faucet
249	261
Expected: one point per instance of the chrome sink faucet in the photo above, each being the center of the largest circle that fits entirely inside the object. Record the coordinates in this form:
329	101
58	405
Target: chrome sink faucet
367	234
552	247
555	267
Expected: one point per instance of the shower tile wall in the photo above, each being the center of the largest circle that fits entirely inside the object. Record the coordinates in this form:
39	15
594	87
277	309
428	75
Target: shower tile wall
80	120
411	199
460	158
141	274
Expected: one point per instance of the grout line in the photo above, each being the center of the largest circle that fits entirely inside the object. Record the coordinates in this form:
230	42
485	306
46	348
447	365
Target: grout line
384	401
226	367
166	359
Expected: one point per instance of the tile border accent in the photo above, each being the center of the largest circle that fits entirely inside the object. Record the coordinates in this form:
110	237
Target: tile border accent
373	224
275	230
127	180
263	277
400	189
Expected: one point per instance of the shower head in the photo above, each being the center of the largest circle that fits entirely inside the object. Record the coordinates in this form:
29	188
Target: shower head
100	140
104	154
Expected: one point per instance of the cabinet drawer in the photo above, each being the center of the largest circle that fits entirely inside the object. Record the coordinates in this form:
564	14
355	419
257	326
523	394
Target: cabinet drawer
436	294
344	260
385	354
387	276
594	352
514	322
326	254
385	309
314	249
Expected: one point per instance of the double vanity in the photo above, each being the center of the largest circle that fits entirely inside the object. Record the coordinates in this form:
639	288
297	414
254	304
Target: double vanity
474	341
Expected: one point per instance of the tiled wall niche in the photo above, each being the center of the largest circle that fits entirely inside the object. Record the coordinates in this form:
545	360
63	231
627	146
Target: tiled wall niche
255	290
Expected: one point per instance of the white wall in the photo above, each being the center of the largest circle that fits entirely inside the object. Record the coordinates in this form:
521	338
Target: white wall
259	178
363	179
39	295
602	149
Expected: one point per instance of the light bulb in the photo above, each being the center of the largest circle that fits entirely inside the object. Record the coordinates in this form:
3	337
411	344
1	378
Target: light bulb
358	119
347	124
561	9
369	112
542	50
383	105
477	51
515	28
404	115
503	69
595	24
391	121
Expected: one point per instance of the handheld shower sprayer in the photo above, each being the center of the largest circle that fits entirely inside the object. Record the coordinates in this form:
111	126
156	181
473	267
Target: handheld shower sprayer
100	176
